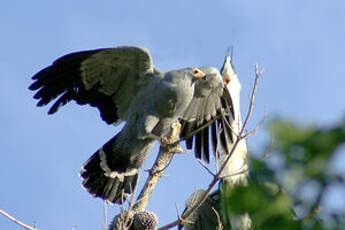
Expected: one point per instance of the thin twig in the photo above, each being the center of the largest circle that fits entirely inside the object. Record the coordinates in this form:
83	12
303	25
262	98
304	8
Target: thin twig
257	126
205	167
16	221
132	203
236	173
220	225
105	215
311	215
126	217
218	175
252	98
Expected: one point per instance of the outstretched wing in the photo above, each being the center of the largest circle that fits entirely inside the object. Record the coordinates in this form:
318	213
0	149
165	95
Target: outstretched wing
105	78
211	107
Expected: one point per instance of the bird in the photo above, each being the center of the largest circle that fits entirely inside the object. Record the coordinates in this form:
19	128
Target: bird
235	173
238	160
125	86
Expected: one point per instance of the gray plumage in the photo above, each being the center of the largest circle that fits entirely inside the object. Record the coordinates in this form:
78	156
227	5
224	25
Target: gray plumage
125	86
204	218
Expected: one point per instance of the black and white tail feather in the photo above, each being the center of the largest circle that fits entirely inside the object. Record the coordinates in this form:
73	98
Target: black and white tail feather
108	184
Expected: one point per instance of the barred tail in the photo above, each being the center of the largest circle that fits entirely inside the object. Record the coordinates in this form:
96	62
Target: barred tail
113	171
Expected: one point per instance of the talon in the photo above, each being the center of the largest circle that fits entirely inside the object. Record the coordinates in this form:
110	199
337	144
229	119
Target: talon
169	139
166	140
168	144
176	149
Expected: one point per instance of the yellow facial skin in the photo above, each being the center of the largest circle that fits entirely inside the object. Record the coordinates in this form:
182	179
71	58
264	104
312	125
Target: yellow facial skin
198	73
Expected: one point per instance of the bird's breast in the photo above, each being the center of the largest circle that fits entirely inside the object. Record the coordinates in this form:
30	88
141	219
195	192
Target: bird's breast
172	99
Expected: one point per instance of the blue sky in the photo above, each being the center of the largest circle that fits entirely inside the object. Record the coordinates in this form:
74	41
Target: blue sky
300	44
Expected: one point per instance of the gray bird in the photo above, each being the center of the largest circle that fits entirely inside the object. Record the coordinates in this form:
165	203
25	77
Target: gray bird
235	173
125	86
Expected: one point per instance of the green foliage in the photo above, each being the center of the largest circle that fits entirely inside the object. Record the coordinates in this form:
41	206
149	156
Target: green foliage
307	146
304	154
267	205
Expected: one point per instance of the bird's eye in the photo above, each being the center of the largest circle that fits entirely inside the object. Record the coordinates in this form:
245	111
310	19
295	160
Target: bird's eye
197	73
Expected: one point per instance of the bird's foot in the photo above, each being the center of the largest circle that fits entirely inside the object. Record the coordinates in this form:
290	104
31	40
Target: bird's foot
169	140
173	148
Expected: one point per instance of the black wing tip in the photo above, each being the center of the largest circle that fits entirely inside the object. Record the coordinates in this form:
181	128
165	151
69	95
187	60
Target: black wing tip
32	86
53	110
37	96
41	103
205	147
35	77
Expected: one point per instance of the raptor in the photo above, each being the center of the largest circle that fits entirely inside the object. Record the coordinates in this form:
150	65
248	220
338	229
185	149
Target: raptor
125	86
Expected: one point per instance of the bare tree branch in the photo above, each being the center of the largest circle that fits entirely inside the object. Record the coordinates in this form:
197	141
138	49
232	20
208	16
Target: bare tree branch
219	221
257	126
205	167
17	221
105	212
164	157
252	98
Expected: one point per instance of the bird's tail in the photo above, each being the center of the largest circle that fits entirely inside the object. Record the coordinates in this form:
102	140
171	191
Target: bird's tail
113	171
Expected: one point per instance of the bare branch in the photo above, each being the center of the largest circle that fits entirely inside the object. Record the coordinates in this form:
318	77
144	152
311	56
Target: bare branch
220	225
17	221
205	167
131	203
237	173
311	215
257	126
104	227
162	161
167	150
252	98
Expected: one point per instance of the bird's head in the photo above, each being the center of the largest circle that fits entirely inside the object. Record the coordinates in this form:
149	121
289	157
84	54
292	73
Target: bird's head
202	78
192	74
229	75
212	76
211	79
233	84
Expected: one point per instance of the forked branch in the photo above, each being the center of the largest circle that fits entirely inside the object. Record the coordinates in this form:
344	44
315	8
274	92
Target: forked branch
162	161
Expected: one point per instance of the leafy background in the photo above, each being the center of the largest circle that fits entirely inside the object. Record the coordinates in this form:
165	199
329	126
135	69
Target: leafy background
294	193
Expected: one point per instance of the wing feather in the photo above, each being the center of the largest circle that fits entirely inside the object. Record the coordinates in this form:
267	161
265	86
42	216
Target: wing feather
214	137
108	79
211	101
205	147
